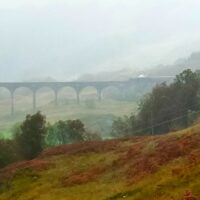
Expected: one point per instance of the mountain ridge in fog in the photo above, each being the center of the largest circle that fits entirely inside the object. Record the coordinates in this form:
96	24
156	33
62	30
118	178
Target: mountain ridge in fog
192	62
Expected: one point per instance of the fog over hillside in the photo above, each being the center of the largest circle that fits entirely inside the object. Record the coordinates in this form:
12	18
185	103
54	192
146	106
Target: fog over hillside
192	62
64	39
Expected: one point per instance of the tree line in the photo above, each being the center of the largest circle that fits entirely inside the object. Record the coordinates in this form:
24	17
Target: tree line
168	107
34	134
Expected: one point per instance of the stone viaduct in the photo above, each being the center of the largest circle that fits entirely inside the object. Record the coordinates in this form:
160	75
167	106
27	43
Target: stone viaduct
77	86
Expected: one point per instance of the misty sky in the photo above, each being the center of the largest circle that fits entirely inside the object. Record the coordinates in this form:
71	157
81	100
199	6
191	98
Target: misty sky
65	38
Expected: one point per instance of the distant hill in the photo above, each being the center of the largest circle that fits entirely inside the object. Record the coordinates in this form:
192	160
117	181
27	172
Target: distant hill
120	75
192	62
43	79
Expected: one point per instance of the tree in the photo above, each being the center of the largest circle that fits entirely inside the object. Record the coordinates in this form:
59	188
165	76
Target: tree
91	136
30	137
77	130
121	127
187	86
166	108
65	132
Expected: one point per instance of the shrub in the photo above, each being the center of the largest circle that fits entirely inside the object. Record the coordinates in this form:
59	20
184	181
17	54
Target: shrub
89	136
30	136
7	152
65	132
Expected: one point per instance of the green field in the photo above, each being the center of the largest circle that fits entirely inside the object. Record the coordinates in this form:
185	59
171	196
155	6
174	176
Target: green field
98	116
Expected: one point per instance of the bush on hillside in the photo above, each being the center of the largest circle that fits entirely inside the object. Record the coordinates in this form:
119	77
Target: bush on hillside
65	132
30	136
8	152
90	136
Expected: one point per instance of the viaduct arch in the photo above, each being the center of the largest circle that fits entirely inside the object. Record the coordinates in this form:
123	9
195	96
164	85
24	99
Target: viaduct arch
76	86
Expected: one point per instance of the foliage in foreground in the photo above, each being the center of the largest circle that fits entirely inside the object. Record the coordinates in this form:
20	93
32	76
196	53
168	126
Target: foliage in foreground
7	152
159	167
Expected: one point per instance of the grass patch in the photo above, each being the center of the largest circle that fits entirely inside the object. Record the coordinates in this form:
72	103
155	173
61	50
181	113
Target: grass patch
6	135
98	120
124	195
150	148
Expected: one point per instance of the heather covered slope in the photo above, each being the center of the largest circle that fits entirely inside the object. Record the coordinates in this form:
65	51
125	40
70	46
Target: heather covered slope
151	167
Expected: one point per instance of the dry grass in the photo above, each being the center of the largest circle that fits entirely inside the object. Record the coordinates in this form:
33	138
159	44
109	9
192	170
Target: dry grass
10	171
85	147
161	167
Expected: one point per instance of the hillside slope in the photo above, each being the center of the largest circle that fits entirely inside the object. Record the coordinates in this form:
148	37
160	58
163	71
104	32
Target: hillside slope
156	167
